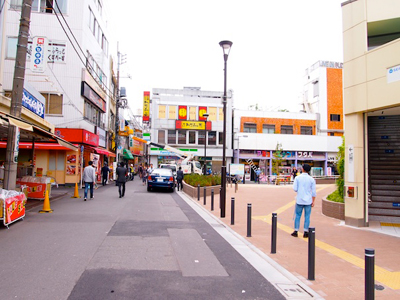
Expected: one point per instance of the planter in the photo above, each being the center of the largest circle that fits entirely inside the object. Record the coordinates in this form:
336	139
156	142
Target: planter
192	191
333	209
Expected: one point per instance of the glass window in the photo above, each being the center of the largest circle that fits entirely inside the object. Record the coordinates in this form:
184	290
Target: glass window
53	104
91	19
286	129
95	27
316	88
212	137
306	130
212	111
335	117
220	138
171	137
250	128
192	113
11	47
161	111
172	112
268	128
161	136
201	137
192	137
92	113
182	137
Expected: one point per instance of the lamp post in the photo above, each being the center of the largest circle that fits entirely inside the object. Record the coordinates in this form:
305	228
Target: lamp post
226	47
205	143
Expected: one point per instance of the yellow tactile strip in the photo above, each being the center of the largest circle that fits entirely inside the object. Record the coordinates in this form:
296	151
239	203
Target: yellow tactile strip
390	224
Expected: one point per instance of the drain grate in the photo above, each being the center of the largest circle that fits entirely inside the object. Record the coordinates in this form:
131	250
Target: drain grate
294	290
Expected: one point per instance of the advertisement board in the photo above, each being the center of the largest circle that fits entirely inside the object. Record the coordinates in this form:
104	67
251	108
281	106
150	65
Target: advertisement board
236	169
14	208
39	54
146	106
192	125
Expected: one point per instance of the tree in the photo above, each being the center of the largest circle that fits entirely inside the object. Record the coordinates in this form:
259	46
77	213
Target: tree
277	159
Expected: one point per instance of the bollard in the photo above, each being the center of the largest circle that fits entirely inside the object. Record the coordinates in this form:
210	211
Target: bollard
273	233
311	253
205	195
212	199
233	211
369	274
236	186
220	191
198	192
248	220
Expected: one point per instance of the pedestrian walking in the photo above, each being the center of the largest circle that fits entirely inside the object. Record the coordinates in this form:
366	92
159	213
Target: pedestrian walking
121	179
304	185
179	177
144	174
131	173
140	171
89	177
105	171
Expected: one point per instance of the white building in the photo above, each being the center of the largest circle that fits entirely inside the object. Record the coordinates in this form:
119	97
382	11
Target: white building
170	107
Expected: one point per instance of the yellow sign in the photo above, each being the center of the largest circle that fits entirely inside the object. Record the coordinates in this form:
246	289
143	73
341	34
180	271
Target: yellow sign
193	125
146	106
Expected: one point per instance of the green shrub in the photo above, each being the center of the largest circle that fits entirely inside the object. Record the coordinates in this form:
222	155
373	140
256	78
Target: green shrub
208	180
335	197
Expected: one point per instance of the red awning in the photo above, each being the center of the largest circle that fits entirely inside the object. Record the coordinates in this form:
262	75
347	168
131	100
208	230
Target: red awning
104	152
38	146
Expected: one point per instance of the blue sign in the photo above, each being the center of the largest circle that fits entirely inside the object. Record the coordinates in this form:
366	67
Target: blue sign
384	137
33	104
389	151
396	204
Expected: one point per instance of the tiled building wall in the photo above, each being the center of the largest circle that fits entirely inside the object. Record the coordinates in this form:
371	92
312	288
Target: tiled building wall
335	98
296	123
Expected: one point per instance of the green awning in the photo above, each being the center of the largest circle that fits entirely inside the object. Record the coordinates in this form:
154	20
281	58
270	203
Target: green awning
127	154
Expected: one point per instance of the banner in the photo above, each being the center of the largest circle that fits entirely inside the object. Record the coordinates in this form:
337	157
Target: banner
39	58
146	106
202	110
14	208
182	112
193	125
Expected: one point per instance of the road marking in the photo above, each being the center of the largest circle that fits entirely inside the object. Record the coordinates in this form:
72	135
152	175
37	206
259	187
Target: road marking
390	279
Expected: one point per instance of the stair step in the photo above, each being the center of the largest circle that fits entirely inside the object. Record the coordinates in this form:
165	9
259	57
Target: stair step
386	219
384	212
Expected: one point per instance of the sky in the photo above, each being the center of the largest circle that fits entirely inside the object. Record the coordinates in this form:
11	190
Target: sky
175	43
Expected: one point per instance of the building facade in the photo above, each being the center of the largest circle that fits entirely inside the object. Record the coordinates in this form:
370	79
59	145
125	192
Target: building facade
177	120
372	110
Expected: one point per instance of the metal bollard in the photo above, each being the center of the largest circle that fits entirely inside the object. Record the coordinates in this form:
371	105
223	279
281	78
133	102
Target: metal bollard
233	211
205	195
212	199
248	220
236	187
369	274
220	195
311	253
273	233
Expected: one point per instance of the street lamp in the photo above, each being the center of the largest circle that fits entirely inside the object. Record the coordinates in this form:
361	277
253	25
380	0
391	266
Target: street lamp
205	143
226	47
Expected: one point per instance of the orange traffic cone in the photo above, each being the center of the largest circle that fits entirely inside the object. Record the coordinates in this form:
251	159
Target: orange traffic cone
76	193
46	204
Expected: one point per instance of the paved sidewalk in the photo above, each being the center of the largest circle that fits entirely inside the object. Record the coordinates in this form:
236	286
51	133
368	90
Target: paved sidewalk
339	248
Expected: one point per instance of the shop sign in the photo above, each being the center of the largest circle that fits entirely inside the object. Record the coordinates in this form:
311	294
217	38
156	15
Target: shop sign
14	208
76	135
32	104
102	137
192	125
332	157
90	138
136	147
182	112
86	77
92	96
236	169
146	106
285	154
202	111
38	58
393	74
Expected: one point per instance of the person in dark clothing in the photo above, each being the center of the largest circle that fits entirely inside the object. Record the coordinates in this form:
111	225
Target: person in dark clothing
179	177
121	179
105	170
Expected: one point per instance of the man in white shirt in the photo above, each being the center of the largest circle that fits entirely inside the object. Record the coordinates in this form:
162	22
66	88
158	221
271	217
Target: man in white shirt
89	177
304	185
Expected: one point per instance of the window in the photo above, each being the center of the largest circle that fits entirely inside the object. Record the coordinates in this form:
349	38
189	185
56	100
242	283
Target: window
171	137
192	113
192	137
182	137
331	134
201	137
43	6
172	112
220	138
286	129
92	114
306	130
112	121
91	19
161	111
268	128
212	111
382	32
250	128
316	88
54	104
212	137
335	118
161	136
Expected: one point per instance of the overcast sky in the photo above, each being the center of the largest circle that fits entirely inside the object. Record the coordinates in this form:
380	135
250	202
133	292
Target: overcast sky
175	43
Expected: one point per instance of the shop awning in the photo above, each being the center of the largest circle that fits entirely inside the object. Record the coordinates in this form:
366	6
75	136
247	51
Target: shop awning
38	146
104	152
127	154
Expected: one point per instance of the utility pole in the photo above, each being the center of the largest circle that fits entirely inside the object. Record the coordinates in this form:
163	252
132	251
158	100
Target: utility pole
10	174
121	60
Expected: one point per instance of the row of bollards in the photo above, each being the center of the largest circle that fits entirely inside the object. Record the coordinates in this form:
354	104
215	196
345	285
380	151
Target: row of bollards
369	253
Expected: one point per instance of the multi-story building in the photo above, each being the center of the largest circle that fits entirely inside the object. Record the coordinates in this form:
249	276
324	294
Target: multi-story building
76	81
175	118
371	41
311	136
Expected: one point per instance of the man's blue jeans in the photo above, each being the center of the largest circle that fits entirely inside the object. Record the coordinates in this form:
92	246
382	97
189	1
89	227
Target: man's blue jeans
307	212
87	185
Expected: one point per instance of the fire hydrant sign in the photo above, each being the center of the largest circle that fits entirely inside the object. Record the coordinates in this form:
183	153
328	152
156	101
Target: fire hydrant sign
38	57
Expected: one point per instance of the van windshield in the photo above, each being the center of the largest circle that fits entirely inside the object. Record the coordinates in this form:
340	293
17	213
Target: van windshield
173	168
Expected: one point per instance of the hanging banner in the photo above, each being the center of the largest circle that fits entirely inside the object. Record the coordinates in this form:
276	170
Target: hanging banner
182	112
146	106
38	58
202	110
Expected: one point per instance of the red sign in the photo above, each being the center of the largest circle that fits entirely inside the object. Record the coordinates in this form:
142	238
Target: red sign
146	106
14	208
202	110
77	136
182	112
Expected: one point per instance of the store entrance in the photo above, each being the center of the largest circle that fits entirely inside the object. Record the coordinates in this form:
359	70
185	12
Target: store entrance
57	166
384	168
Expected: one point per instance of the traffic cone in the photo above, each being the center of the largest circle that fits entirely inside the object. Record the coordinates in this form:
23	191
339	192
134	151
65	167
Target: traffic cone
46	204
76	193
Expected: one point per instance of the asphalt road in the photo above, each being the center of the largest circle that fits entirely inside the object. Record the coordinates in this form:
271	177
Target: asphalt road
143	246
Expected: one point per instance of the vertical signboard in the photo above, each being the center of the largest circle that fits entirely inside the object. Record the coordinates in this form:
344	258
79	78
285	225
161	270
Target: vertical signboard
182	112
146	106
202	110
38	58
350	171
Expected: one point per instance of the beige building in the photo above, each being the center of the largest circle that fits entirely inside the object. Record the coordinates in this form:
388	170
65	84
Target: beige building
371	40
